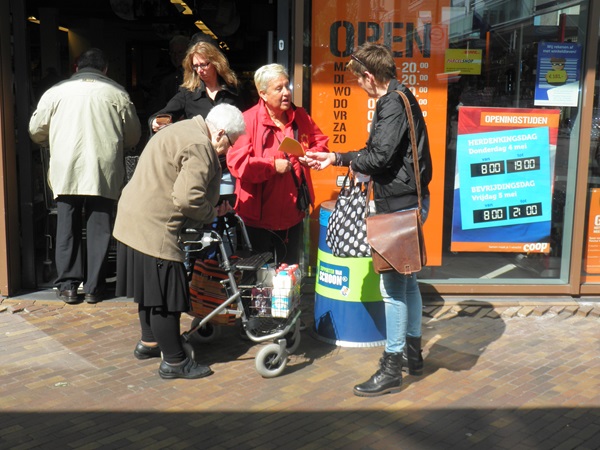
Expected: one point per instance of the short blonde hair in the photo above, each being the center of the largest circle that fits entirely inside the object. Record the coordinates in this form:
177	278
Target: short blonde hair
265	74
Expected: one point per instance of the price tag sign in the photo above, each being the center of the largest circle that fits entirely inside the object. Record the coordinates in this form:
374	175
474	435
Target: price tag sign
505	177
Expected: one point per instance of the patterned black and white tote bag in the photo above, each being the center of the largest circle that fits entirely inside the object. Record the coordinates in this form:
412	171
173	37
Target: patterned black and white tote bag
346	232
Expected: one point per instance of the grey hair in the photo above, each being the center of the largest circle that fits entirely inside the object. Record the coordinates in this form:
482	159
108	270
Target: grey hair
265	74
229	118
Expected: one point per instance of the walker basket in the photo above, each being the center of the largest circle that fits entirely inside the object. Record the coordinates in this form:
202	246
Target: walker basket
207	292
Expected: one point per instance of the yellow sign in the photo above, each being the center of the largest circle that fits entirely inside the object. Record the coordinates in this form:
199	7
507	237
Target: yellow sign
465	61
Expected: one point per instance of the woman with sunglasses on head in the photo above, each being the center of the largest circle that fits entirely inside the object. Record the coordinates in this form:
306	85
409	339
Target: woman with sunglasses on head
207	81
387	158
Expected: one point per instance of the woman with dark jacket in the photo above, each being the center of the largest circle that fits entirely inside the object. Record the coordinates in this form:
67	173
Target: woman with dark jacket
207	81
387	158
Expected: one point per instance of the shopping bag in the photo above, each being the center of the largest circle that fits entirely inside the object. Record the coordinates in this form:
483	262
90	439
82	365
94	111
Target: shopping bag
207	292
346	232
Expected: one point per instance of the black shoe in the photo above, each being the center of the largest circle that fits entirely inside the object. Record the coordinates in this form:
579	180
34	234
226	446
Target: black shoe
145	352
68	296
188	369
386	380
93	298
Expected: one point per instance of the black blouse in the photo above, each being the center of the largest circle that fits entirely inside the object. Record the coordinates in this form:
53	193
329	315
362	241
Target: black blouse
186	104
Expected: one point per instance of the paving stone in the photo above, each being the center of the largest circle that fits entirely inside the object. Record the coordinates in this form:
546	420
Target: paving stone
540	310
511	311
557	309
495	377
525	311
570	309
584	310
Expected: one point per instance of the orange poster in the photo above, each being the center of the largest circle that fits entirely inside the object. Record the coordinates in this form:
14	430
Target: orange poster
592	249
414	31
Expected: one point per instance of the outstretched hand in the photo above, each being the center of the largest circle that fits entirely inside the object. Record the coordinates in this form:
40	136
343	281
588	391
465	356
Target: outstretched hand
319	160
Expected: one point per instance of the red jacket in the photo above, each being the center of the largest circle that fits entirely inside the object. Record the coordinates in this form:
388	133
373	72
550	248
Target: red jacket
266	199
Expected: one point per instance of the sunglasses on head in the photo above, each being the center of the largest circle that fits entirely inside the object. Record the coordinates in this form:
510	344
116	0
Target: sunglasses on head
352	56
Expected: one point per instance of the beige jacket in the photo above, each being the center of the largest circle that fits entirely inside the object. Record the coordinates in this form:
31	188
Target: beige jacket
87	121
177	178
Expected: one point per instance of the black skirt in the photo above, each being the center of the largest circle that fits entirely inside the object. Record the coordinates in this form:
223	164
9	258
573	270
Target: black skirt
151	282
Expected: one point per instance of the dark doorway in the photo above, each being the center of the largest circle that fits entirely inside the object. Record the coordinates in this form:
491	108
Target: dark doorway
135	34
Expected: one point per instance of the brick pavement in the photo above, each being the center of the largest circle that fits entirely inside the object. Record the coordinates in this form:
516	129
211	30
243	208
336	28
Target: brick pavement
520	376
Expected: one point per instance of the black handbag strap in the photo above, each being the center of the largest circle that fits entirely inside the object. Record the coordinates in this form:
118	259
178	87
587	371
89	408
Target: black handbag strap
297	182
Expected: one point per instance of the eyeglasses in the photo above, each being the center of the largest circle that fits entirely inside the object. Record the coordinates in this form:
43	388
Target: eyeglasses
228	140
359	61
202	66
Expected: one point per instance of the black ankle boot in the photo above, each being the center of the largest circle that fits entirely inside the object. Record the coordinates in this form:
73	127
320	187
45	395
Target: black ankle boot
386	380
412	356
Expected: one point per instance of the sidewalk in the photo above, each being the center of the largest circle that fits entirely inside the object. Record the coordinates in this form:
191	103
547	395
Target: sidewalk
496	377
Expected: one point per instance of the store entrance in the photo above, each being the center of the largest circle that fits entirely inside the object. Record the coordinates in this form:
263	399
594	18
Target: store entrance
135	35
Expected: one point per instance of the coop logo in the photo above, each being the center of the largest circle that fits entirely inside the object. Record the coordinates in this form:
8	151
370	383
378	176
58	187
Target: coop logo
333	276
536	247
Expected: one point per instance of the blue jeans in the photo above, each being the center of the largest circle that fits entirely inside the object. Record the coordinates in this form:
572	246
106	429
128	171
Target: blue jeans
403	303
403	309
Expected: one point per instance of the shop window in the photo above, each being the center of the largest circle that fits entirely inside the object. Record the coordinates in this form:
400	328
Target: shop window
591	250
504	212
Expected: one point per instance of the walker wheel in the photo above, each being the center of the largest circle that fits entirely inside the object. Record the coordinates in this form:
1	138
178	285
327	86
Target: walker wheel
271	361
207	332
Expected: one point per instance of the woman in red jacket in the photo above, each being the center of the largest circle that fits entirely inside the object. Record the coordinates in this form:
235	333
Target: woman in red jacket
267	178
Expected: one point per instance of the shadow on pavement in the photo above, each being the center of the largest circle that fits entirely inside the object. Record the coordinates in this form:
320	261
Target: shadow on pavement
460	351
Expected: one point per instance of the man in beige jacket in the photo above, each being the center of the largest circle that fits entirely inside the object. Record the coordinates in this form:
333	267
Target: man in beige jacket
87	120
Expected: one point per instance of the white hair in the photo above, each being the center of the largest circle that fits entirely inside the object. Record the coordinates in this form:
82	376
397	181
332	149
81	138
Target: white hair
265	74
229	118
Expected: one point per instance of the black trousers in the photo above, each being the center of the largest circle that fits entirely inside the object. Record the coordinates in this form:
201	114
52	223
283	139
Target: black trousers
162	327
70	264
284	244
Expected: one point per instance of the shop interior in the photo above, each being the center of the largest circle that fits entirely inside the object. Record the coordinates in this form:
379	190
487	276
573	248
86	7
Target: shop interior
135	34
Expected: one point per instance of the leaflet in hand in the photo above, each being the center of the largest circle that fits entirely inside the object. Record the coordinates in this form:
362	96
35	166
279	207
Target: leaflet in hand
291	147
